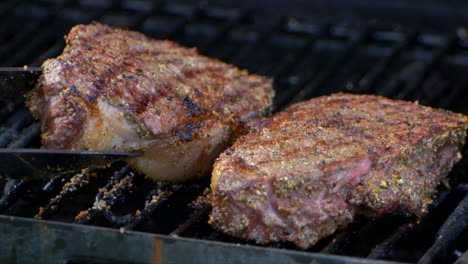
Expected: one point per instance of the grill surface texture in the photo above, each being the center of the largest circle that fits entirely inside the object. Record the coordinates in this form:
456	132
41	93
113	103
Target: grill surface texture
398	49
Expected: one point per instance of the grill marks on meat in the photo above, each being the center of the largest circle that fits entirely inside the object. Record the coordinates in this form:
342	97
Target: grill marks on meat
118	89
308	170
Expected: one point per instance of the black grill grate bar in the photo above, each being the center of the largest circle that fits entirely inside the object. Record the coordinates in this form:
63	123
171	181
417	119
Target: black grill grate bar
56	183
28	50
313	87
225	30
412	88
52	29
76	183
390	88
456	92
108	195
312	36
138	6
181	9
20	38
218	28
137	18
14	125
201	13
107	198
52	185
369	80
53	51
186	19
180	29
88	216
56	48
441	196
31	45
246	48
7	108
191	220
360	239
449	232
384	249
158	197
342	238
432	89
14	193
28	135
7	6
18	120
282	98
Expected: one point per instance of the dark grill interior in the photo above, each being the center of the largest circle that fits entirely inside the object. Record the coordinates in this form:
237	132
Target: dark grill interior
307	56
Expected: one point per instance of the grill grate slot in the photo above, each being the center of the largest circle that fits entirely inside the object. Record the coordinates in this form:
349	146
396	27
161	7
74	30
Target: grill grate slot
156	199
116	191
199	214
425	232
162	26
14	125
368	81
75	184
27	137
452	228
6	6
107	196
415	83
361	242
13	194
120	19
17	38
317	85
7	107
384	250
141	6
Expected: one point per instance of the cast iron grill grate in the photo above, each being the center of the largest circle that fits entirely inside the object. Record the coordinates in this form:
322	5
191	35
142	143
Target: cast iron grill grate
306	57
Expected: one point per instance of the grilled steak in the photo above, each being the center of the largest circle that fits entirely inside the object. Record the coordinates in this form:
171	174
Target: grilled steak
308	170
114	89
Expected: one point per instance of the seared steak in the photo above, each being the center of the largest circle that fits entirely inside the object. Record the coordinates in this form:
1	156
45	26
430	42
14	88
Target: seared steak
308	170
114	89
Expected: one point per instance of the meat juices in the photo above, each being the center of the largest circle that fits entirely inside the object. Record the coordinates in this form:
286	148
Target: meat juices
308	170
114	89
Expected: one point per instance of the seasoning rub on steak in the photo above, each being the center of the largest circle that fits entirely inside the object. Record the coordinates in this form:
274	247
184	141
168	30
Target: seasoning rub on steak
308	170
114	89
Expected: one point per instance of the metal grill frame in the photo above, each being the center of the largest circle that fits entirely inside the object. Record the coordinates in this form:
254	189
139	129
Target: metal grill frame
33	242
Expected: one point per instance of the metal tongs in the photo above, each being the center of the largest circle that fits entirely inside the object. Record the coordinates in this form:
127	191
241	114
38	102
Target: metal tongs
33	163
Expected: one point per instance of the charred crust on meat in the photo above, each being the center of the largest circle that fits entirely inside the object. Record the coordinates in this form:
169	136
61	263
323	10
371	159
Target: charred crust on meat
73	90
91	98
127	76
186	133
360	154
192	108
134	92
